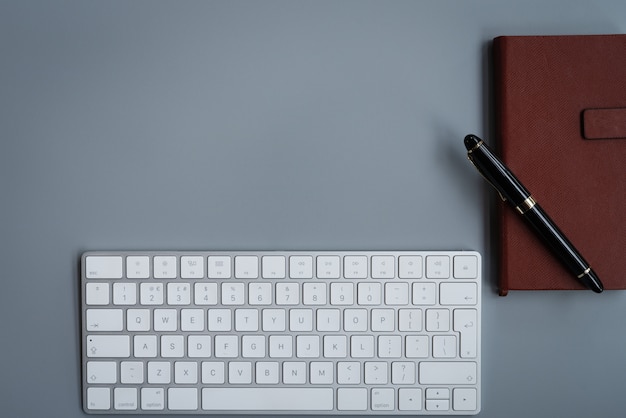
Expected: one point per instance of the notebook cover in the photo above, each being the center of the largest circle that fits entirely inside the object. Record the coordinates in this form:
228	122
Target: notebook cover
560	104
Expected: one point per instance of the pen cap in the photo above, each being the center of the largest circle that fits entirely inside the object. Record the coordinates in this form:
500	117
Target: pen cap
494	171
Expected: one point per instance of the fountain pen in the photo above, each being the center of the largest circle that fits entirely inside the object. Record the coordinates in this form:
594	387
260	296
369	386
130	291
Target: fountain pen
512	190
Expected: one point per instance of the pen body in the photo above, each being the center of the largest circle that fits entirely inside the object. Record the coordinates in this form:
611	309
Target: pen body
562	248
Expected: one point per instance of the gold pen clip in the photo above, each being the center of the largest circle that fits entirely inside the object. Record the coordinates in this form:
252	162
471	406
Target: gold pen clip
481	172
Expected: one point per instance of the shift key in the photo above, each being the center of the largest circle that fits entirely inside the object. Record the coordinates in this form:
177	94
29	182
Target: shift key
447	373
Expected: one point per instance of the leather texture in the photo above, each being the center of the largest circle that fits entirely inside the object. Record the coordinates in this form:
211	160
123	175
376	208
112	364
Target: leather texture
545	87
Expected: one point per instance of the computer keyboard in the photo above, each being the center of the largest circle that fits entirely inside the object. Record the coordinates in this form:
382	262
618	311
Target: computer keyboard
281	332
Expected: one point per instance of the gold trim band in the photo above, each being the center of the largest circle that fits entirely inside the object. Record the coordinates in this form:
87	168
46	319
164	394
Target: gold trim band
475	147
587	270
526	205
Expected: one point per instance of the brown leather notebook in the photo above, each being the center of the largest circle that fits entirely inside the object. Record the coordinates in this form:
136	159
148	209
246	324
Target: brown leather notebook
560	104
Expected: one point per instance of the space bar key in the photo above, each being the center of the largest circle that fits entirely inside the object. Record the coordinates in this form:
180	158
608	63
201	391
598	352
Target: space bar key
267	399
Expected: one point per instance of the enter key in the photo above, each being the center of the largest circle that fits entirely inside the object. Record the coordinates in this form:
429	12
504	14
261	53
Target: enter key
465	322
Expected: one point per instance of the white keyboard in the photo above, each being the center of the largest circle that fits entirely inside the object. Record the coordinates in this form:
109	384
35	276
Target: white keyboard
326	333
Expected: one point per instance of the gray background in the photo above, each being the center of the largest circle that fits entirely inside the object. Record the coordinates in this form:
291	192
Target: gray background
271	125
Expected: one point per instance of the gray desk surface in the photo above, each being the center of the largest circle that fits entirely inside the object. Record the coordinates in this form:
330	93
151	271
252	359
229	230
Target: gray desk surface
270	125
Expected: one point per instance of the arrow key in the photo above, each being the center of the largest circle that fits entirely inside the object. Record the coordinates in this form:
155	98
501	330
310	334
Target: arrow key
410	399
437	404
464	399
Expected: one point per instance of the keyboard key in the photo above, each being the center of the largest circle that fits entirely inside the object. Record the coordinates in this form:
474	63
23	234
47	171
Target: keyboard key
199	346
383	399
253	346
192	267
464	399
246	267
152	399
437	404
389	346
437	267
273	267
233	293
397	293
267	399
172	346
101	372
138	320
352	399
151	293
239	372
138	267
165	320
267	372
219	267
424	293
98	398
466	323
314	293
205	293
335	346
97	293
409	399
131	372
246	320
181	399
328	320
416	346
294	372
274	320
376	372
328	267
348	372
124	293
447	373
192	320
165	267
301	267
159	372
213	372
105	320
355	267
437	320
369	293
108	346
403	373
322	372
125	398
410	320
383	267
465	267
410	267
103	267
145	346
383	320
186	372
287	293
342	293
458	293
178	293
444	346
